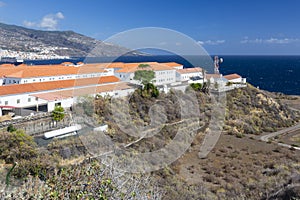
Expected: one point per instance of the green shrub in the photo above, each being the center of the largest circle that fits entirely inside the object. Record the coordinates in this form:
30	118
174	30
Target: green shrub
58	113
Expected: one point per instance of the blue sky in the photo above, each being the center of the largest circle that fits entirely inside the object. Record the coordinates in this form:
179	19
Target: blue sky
222	27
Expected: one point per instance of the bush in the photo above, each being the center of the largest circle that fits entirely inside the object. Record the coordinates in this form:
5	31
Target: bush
196	86
11	128
58	113
16	145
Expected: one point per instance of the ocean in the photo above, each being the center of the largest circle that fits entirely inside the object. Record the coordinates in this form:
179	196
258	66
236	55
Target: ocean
272	73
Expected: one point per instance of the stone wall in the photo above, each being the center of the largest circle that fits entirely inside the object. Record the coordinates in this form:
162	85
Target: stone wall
38	125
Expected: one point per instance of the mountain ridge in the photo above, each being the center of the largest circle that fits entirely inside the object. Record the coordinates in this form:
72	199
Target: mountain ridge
18	39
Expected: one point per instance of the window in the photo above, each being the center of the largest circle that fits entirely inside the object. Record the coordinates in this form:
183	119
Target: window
18	101
29	99
6	103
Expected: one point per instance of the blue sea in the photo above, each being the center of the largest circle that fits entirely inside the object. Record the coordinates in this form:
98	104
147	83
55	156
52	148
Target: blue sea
272	73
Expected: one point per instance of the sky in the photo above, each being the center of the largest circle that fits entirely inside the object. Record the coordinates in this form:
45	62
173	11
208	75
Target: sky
232	27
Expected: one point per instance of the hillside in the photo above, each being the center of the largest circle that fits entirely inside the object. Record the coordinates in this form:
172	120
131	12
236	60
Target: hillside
239	167
61	43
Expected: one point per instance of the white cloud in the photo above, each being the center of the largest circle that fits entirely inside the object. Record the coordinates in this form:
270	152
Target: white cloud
29	24
270	41
2	4
200	42
211	42
48	22
59	15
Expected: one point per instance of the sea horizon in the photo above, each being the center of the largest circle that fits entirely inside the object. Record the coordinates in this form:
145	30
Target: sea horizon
274	73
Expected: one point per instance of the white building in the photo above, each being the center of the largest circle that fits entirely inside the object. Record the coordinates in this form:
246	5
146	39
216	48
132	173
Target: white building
235	78
189	74
164	74
42	87
22	74
44	96
225	83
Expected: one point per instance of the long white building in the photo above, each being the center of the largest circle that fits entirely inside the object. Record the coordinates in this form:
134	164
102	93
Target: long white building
42	87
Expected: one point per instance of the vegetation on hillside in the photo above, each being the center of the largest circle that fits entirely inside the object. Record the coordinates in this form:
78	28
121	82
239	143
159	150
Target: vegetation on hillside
237	168
250	111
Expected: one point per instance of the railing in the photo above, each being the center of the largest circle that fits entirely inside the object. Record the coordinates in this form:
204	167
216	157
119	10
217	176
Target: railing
229	87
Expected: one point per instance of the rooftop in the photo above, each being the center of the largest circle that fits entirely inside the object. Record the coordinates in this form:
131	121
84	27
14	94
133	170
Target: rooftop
59	95
232	76
54	85
132	67
189	70
208	76
68	68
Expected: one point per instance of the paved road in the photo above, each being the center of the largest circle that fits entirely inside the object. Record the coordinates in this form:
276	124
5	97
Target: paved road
267	137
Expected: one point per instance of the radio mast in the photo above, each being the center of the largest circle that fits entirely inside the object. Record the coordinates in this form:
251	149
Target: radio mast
217	62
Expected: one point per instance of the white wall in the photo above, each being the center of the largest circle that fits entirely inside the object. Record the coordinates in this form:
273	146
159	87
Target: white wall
187	76
10	80
125	76
20	100
178	67
65	103
236	80
161	77
164	77
117	93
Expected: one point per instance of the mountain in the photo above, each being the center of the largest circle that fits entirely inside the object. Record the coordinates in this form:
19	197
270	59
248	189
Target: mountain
60	43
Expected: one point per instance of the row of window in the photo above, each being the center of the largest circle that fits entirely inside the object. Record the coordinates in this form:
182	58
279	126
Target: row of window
164	72
19	100
9	81
163	80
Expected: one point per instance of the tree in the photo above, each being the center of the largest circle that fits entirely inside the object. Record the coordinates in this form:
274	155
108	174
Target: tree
150	90
196	86
11	128
16	145
58	113
143	65
145	76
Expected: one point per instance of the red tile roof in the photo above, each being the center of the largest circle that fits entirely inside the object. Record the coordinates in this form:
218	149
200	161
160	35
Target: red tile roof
68	68
26	71
232	76
58	95
172	64
189	70
132	67
208	76
53	85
